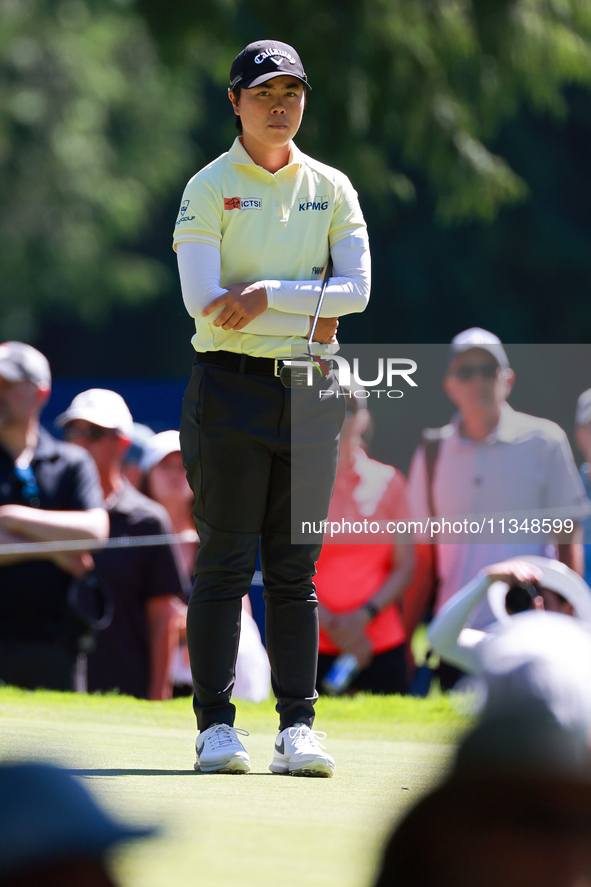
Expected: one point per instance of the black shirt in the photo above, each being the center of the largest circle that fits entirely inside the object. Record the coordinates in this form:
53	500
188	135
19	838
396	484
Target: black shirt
33	593
131	576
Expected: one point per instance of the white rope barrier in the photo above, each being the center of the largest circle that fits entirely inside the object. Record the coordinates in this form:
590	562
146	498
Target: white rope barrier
97	544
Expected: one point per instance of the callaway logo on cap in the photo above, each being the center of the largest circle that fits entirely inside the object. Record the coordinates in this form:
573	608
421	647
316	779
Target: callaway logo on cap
263	60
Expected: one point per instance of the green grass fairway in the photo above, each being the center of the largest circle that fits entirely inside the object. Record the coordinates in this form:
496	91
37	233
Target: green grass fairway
255	830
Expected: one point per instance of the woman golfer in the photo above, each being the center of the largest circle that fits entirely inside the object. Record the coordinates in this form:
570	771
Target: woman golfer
253	237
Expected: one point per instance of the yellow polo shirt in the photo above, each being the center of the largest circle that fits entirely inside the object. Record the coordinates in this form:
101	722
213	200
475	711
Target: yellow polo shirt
268	226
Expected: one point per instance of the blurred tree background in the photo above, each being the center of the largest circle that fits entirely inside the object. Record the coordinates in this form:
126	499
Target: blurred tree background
464	124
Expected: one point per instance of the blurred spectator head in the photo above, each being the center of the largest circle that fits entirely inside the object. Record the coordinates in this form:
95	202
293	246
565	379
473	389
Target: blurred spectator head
478	375
131	460
25	383
515	808
163	474
98	420
583	424
477	338
561	590
52	831
20	362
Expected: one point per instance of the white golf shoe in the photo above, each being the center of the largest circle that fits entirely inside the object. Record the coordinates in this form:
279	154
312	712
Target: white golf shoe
220	751
298	752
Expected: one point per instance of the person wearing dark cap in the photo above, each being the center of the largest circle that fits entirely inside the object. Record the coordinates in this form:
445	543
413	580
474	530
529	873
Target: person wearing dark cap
253	237
52	831
491	461
49	492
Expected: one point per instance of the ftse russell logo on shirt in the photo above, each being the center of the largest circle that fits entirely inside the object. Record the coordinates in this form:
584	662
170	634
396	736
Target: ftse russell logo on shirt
243	203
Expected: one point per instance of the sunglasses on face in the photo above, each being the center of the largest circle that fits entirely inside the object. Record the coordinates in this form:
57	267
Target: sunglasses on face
486	371
93	432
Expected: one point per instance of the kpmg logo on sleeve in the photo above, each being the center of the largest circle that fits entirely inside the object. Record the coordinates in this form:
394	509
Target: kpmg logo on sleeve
313	203
243	203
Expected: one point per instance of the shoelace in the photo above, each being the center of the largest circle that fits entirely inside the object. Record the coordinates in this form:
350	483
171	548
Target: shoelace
225	735
302	734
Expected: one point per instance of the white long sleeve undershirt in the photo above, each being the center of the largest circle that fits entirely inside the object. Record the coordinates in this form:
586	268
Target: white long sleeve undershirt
291	302
448	636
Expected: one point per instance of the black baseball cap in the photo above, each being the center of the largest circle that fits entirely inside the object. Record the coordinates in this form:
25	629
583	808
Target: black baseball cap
46	814
263	60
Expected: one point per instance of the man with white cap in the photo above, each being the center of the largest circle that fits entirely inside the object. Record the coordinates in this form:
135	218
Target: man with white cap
491	461
133	654
49	492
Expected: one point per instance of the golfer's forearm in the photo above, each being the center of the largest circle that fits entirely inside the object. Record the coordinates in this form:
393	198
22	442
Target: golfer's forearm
347	291
278	323
38	525
200	269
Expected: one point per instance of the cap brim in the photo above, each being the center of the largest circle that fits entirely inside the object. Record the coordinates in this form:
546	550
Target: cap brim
88	415
263	78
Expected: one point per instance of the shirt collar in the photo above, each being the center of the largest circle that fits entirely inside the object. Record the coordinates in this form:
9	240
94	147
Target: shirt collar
47	446
239	155
505	431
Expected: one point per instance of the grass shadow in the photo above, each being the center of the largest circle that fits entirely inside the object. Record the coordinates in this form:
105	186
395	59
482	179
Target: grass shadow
129	772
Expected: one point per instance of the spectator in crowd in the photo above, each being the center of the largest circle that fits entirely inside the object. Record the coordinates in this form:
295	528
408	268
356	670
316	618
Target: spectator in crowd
145	583
130	465
516	585
360	580
164	480
49	492
52	831
491	460
515	810
583	441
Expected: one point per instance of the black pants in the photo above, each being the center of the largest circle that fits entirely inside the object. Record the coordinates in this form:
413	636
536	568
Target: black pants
236	441
385	674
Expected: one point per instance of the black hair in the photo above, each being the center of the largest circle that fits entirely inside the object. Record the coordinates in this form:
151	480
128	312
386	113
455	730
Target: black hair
236	92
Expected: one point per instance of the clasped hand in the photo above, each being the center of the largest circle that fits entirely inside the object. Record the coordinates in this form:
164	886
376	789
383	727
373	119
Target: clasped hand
244	301
240	304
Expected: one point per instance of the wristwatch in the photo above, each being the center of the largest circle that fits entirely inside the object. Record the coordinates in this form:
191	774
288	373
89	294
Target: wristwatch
371	609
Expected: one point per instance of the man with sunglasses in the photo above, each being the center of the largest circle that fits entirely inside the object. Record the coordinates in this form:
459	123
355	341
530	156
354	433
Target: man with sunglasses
253	238
49	492
490	460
